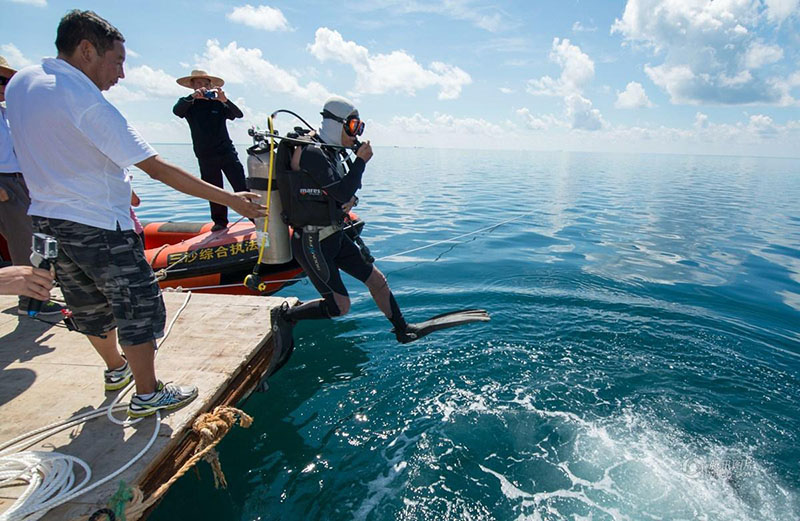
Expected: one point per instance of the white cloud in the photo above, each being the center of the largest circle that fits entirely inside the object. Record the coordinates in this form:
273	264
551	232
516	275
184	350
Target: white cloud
700	120
754	134
758	129
577	69
779	10
119	93
393	72
144	83
261	17
131	53
541	122
506	90
446	124
37	3
14	56
155	83
760	54
633	97
247	66
581	115
709	49
578	27
762	125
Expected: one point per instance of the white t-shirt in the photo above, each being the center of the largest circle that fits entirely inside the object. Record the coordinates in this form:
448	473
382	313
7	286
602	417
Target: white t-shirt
73	146
8	161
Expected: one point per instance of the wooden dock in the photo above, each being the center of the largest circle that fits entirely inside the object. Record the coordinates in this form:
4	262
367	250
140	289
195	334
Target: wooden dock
221	343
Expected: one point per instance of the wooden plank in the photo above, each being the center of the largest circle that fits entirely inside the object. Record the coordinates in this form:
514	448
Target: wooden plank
221	343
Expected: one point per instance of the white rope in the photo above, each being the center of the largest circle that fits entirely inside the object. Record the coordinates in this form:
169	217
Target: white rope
457	237
50	476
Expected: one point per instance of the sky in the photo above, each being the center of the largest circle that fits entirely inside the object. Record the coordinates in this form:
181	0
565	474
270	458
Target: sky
637	76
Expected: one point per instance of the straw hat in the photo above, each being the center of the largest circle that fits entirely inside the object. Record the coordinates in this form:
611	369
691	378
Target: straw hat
5	69
186	81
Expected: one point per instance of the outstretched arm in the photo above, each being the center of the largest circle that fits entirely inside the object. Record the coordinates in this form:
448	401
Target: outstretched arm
183	181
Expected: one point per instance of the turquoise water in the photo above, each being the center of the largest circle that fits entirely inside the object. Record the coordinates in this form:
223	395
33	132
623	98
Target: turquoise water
642	362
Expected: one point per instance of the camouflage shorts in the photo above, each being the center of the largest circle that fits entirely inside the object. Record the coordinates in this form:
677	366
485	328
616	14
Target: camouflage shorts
106	280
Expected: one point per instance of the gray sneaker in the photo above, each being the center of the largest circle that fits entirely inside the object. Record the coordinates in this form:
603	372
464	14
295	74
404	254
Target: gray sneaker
167	396
116	379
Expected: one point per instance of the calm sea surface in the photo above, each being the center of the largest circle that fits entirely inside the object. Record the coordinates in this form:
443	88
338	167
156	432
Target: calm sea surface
642	362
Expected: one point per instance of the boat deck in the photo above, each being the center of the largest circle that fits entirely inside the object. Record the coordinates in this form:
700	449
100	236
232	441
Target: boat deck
221	343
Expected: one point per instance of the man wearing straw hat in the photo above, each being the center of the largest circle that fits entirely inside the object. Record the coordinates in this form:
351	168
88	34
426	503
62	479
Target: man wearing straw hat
207	110
15	224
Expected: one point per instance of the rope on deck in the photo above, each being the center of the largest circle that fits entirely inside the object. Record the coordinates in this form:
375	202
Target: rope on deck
210	428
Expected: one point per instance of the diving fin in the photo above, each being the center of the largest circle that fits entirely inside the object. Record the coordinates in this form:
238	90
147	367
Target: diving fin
444	321
283	343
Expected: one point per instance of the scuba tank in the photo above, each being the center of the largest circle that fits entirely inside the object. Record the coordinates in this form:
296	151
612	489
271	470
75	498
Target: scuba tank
278	249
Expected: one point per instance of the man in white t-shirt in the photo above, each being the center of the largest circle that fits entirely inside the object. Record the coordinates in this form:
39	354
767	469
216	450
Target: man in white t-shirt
74	148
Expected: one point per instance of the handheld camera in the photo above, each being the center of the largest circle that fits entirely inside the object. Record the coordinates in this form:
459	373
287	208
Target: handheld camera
44	250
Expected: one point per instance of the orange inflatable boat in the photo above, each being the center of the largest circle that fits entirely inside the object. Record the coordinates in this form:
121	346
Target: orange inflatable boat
194	258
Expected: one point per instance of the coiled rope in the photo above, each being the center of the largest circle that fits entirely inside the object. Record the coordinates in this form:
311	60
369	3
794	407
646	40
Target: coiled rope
50	476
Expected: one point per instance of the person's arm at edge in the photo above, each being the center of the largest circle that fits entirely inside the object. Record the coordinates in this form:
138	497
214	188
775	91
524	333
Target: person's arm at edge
183	181
182	106
26	281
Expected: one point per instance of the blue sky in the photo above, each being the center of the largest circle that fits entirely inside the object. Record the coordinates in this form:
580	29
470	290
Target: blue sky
676	76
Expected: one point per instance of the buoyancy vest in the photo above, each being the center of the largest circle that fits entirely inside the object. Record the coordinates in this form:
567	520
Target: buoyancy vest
305	202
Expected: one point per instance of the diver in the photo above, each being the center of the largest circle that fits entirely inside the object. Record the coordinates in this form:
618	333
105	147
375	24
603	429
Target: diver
317	186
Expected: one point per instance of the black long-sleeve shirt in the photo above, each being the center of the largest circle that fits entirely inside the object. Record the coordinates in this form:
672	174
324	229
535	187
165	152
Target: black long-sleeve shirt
207	120
323	170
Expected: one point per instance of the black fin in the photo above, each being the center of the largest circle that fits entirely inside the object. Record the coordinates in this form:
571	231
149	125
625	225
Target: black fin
444	321
283	342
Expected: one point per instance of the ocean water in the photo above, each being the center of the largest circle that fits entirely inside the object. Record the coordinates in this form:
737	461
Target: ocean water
642	362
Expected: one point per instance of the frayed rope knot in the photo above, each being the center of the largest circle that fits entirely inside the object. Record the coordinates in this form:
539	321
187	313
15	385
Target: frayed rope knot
210	428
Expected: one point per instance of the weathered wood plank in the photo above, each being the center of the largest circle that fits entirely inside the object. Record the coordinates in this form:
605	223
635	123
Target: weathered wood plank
221	343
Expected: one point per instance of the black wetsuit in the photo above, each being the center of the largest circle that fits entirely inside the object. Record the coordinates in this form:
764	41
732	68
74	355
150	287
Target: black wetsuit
213	146
322	259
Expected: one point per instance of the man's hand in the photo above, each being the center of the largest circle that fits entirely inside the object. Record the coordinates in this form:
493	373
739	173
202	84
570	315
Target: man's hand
199	93
365	151
242	202
26	281
221	95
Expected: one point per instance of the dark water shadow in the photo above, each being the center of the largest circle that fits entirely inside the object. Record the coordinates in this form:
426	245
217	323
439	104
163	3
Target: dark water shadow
325	353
